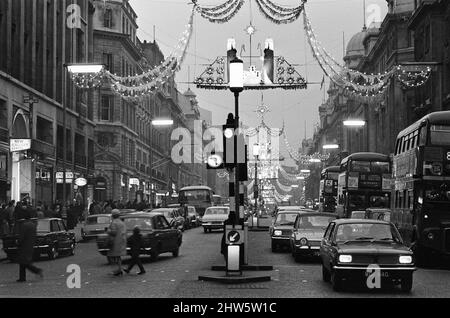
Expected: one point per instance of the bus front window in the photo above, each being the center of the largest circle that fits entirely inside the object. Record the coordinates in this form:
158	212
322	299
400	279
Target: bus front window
440	135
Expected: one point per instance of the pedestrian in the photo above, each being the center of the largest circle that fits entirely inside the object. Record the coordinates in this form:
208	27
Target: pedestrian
3	220
135	246
108	209
71	217
57	211
27	240
118	236
10	215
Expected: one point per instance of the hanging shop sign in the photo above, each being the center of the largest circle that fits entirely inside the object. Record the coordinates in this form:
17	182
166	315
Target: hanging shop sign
81	182
19	144
134	181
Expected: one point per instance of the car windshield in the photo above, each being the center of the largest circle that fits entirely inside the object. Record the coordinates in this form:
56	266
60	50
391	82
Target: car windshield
216	211
98	220
355	232
285	218
143	223
314	222
43	226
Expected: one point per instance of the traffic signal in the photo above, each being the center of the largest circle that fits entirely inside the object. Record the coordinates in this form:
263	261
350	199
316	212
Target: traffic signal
228	142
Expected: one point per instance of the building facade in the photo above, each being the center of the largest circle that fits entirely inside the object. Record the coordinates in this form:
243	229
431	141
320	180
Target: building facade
37	39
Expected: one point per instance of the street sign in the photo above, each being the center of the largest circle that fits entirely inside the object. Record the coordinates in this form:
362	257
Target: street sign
19	144
234	236
134	181
81	182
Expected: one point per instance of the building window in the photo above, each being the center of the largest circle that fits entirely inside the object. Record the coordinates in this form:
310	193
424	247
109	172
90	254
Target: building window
107	18
106	110
108	62
3	114
44	130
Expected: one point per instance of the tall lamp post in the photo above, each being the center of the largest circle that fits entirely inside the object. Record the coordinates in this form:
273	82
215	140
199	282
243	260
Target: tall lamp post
74	69
256	155
236	85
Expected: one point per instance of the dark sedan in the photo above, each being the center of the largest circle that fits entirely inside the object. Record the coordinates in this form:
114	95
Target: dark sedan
52	239
281	229
308	233
158	236
354	249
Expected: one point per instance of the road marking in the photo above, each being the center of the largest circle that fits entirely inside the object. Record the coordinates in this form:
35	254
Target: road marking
144	281
172	280
304	281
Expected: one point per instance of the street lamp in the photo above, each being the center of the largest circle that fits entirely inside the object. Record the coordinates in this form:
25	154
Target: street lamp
330	146
354	123
256	155
74	69
236	85
162	122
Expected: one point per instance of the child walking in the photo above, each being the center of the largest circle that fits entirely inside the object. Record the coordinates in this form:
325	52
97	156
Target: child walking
135	245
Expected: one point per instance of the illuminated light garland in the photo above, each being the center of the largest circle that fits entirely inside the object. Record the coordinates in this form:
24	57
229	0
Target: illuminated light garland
278	17
354	82
222	13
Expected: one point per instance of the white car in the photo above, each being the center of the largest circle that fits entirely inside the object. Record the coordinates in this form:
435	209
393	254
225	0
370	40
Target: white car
214	218
94	225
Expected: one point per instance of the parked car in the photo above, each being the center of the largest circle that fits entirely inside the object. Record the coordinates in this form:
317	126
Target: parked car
308	232
214	218
281	229
172	215
94	225
52	239
158	236
349	246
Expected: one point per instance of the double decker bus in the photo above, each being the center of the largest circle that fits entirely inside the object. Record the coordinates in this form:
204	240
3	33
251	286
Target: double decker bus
364	182
421	197
200	197
328	189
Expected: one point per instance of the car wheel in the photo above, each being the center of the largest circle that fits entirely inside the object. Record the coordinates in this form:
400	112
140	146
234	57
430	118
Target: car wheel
176	252
325	274
406	284
110	261
205	230
336	281
52	253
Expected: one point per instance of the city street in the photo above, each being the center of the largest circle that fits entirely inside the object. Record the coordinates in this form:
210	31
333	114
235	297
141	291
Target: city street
171	277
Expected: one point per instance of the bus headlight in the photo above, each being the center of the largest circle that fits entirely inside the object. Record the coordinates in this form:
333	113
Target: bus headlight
405	259
345	258
303	241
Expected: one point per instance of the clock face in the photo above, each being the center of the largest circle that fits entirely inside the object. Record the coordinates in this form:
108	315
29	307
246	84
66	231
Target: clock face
215	161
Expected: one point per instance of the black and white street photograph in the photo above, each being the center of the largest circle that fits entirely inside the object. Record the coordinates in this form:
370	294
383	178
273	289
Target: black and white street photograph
224	154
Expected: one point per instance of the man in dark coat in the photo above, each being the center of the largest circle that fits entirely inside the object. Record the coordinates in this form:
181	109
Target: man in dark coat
27	239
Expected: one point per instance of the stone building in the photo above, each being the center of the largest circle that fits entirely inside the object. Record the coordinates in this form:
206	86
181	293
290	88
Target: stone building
37	39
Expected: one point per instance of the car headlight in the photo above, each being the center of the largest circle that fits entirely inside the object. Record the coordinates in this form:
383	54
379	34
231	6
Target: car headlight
345	258
303	241
405	259
277	233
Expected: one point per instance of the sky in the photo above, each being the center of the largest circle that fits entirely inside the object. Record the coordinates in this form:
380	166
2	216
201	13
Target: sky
334	21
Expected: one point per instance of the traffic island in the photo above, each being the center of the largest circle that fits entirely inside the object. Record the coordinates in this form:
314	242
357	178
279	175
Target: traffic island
240	279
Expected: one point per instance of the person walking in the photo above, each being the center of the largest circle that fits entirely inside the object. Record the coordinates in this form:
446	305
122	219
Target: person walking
10	215
135	246
118	235
27	239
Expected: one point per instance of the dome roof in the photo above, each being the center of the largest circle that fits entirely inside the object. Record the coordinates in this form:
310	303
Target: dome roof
356	44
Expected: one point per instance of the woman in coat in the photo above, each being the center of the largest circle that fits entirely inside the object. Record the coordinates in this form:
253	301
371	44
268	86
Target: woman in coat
118	236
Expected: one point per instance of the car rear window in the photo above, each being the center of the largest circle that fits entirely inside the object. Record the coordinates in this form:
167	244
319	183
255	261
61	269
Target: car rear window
43	226
98	220
285	218
314	222
142	223
216	211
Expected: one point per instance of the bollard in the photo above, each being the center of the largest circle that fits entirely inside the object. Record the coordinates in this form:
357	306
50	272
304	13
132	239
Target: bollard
245	243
